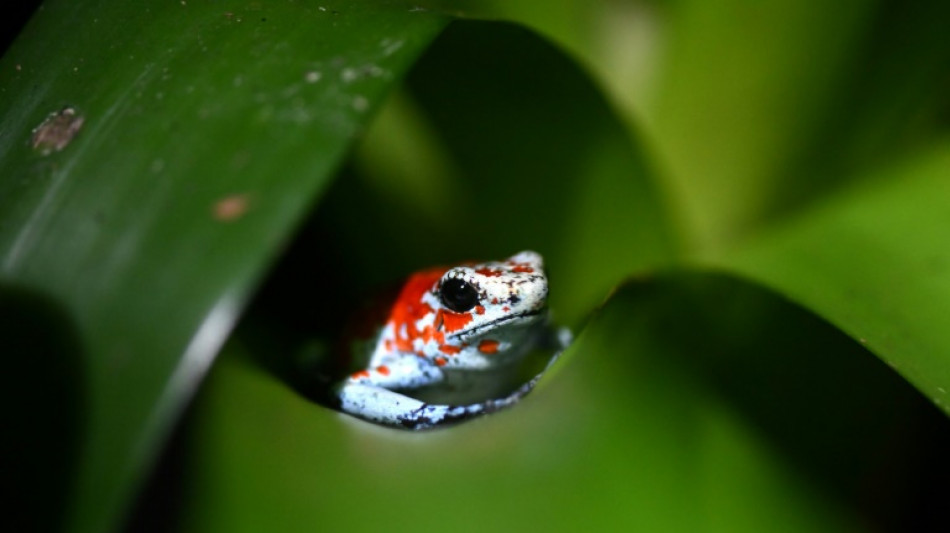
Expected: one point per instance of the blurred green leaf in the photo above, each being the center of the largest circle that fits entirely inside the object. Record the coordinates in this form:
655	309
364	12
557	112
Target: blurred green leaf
757	109
742	86
761	109
207	131
679	410
875	261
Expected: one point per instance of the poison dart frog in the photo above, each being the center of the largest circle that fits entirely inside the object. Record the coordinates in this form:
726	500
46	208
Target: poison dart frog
457	335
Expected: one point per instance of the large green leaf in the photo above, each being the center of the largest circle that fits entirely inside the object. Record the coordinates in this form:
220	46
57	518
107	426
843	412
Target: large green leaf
689	402
208	129
628	437
757	109
730	114
810	102
876	262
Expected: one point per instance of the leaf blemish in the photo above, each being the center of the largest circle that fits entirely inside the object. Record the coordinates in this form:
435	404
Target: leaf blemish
57	130
390	46
231	208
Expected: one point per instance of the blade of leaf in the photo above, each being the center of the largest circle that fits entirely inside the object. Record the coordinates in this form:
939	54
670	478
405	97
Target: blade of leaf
875	262
628	436
741	85
891	102
811	96
207	131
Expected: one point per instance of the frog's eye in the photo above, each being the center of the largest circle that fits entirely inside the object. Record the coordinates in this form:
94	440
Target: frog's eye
458	295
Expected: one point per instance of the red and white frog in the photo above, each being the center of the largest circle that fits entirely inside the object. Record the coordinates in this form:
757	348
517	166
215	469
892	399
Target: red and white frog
456	332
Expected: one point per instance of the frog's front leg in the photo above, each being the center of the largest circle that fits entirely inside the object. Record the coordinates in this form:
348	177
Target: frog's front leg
377	404
368	393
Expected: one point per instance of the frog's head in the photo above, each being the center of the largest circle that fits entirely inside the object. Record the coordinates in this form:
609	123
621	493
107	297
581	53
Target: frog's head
488	310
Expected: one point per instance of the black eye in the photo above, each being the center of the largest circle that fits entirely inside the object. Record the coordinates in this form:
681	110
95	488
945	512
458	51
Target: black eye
458	295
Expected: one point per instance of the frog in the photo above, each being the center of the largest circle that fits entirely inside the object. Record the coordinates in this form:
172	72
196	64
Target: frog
454	332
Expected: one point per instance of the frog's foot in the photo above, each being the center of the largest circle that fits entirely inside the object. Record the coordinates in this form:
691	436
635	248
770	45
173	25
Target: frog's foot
376	404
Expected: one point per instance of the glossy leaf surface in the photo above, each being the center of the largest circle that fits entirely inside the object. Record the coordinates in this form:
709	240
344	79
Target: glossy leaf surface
876	263
208	130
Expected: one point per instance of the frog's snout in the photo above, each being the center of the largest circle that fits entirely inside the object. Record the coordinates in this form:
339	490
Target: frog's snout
528	257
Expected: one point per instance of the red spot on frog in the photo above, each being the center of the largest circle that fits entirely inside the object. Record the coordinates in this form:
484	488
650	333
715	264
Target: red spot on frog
409	307
522	268
506	309
489	272
480	310
429	333
488	346
441	361
383	369
452	321
360	374
494	301
449	349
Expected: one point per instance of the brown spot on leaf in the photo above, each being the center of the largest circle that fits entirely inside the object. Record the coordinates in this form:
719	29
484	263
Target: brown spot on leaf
57	130
231	208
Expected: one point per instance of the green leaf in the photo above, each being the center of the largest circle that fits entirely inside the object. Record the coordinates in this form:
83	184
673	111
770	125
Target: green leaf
758	109
208	130
630	435
744	87
875	262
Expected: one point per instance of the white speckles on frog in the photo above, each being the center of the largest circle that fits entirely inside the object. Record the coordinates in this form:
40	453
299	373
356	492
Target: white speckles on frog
465	326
